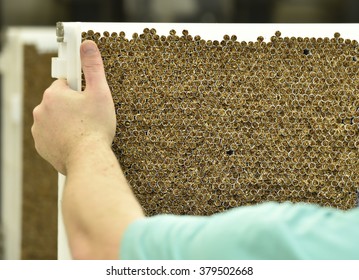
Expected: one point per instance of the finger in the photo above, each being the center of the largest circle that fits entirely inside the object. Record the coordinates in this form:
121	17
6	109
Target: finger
60	84
92	66
57	87
35	113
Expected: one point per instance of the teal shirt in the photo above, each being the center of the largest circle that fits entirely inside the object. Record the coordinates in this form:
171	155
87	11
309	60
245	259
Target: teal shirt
265	231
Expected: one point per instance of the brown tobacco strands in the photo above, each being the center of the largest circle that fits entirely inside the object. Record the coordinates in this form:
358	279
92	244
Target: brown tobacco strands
204	126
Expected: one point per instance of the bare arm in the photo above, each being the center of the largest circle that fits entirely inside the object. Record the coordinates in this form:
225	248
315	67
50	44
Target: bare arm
98	204
73	131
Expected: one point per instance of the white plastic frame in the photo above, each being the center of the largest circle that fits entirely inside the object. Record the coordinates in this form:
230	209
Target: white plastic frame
12	69
68	64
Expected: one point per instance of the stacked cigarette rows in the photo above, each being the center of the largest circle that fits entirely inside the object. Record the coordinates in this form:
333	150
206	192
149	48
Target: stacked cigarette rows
204	126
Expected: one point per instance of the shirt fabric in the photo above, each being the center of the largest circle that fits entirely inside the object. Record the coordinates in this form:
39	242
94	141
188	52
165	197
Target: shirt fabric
265	231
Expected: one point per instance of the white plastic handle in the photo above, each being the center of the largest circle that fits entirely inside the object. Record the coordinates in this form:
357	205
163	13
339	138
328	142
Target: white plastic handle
66	66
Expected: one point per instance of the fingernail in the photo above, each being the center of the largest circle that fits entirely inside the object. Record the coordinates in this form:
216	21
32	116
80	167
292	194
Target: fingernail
89	48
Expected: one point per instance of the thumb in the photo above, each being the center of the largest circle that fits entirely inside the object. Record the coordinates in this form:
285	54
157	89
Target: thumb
92	67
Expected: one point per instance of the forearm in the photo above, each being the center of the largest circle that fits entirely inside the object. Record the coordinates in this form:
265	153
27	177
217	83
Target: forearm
98	203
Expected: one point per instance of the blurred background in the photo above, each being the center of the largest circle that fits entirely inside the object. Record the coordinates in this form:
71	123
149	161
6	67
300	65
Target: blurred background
41	13
47	12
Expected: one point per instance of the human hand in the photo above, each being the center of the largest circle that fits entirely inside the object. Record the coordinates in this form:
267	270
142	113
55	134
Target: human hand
66	121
